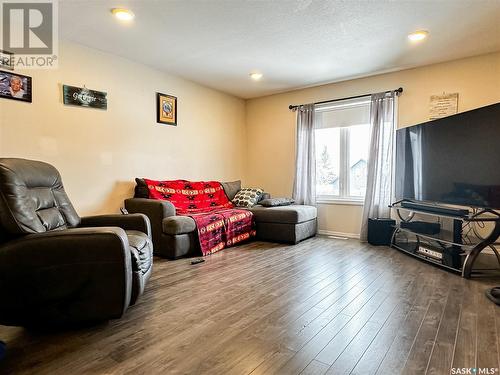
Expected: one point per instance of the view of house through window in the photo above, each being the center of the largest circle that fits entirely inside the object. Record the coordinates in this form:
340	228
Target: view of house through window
342	142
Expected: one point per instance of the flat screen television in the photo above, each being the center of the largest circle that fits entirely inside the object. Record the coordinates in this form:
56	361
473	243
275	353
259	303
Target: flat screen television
454	160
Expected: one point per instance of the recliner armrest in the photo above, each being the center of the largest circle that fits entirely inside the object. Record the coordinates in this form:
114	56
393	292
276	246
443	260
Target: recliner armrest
139	222
88	268
106	244
156	211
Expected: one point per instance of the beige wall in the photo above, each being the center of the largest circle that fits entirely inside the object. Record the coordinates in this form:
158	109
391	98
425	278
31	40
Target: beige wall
271	126
100	152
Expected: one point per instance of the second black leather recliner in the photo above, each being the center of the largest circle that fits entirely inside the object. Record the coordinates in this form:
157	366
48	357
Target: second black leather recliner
57	268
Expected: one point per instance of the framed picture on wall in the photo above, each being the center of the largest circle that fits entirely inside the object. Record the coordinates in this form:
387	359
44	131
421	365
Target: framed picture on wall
15	86
166	109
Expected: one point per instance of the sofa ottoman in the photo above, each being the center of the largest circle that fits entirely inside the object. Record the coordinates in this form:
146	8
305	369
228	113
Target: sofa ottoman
180	236
289	224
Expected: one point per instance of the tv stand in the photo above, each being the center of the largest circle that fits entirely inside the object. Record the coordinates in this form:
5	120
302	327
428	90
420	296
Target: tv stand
456	248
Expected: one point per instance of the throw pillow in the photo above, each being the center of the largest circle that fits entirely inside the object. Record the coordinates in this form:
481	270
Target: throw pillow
141	189
247	197
273	202
231	188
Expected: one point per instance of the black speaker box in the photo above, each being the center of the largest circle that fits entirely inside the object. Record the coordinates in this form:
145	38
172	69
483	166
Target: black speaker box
380	231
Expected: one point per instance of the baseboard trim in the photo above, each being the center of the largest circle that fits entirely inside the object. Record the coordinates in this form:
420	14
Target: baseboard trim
338	234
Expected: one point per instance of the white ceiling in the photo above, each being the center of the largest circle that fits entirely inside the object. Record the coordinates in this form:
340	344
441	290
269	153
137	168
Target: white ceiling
294	43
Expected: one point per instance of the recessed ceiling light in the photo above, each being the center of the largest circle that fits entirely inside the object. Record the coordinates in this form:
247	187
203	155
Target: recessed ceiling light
123	14
256	76
418	35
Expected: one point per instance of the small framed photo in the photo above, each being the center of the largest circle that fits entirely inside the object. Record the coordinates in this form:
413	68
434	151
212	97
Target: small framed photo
166	109
6	60
15	86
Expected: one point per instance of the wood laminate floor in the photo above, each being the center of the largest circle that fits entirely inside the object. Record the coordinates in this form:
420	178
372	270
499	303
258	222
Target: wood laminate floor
324	306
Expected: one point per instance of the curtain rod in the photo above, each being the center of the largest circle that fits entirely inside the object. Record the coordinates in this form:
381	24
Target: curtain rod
397	91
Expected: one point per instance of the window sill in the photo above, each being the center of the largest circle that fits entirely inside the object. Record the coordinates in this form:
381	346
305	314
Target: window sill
338	201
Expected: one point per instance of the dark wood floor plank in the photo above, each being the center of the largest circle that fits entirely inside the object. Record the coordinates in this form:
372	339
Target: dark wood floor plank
442	352
497	327
402	301
254	330
361	310
375	353
273	363
344	358
425	338
465	347
421	350
321	306
487	343
306	354
396	357
212	334
350	356
315	368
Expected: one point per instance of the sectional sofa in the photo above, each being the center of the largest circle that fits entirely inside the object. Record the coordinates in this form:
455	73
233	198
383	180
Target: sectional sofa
175	236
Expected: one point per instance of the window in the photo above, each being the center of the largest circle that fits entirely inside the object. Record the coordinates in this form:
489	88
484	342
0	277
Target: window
342	142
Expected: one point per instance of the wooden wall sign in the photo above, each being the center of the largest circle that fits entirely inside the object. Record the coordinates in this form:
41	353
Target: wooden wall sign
83	97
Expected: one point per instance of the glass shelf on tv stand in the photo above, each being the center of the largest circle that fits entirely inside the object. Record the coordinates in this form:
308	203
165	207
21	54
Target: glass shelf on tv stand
407	248
444	236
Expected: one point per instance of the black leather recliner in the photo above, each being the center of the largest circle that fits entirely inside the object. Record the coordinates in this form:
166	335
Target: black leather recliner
57	268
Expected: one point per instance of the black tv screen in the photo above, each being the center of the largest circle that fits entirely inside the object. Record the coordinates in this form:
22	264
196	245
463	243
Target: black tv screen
454	160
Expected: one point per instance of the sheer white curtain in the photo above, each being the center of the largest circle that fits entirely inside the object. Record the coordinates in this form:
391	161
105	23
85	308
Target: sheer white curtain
304	187
380	159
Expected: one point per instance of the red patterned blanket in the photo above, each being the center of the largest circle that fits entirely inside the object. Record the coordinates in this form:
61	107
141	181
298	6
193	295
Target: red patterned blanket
223	228
219	225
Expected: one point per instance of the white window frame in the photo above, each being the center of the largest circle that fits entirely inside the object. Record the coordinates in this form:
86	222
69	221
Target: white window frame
343	198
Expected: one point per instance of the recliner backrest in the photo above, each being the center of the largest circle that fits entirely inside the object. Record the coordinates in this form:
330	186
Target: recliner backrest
32	198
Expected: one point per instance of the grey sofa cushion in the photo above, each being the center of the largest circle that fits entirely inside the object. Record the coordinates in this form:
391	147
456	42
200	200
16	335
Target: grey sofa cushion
231	188
292	214
287	233
177	246
273	202
178	225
